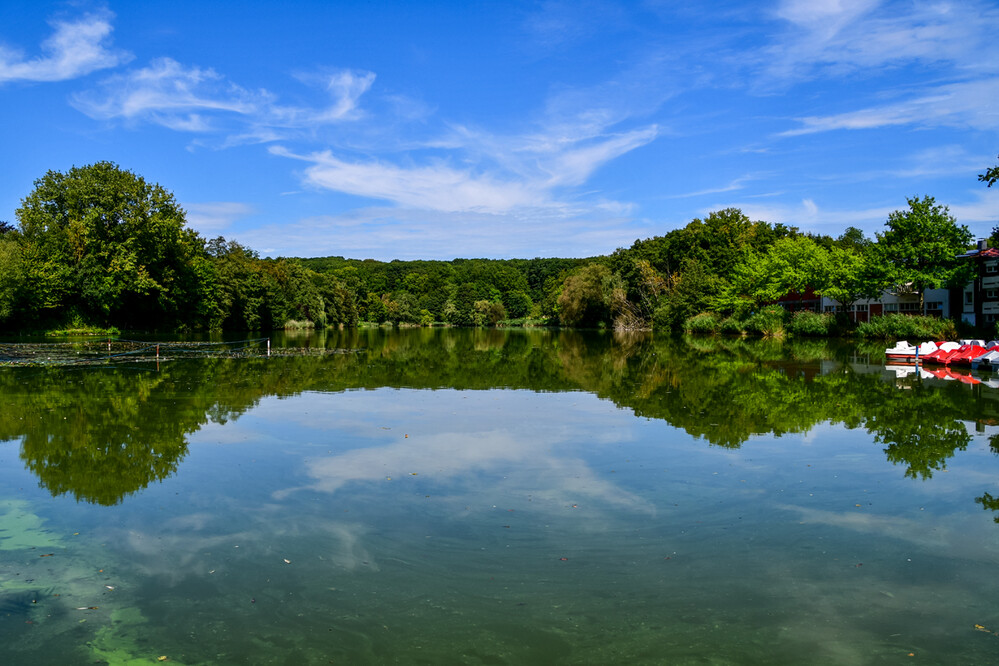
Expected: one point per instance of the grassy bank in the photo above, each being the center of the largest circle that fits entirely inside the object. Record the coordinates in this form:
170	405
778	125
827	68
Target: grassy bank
775	322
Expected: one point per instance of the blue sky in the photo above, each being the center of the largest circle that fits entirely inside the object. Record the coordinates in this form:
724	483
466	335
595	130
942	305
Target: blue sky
406	130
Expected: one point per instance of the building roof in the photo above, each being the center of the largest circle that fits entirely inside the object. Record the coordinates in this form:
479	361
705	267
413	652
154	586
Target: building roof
988	253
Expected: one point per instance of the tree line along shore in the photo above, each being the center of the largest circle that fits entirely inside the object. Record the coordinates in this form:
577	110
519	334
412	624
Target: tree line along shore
98	248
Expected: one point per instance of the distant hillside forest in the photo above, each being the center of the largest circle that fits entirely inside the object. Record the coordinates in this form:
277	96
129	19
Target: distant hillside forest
98	246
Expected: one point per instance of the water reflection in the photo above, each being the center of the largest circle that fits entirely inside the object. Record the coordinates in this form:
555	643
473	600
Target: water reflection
102	434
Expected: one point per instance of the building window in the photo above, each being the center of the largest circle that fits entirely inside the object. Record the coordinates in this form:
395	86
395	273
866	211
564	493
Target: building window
934	305
969	297
891	307
991	294
829	308
991	267
859	307
908	307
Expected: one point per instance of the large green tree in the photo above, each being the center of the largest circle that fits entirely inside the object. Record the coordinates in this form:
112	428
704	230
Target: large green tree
919	248
102	242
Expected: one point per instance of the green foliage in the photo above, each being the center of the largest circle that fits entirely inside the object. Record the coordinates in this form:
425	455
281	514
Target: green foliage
686	293
518	303
919	249
460	308
109	244
705	323
587	297
789	266
12	277
852	275
990	176
807	323
909	327
989	503
489	313
770	322
732	326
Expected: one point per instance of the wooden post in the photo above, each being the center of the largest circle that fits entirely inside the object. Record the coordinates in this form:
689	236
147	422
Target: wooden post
268	347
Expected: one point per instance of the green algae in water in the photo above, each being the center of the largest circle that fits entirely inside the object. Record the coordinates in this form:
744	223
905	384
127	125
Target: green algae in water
125	641
20	529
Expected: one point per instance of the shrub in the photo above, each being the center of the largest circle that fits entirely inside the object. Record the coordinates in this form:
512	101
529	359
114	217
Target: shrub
665	318
770	322
914	327
732	326
806	323
706	323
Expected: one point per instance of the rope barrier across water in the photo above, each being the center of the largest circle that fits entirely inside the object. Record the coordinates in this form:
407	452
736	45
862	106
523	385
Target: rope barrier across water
122	350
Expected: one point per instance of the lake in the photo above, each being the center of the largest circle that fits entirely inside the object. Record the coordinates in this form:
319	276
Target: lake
500	497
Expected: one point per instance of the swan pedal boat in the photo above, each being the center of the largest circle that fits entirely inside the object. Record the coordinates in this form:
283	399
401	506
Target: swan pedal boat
975	353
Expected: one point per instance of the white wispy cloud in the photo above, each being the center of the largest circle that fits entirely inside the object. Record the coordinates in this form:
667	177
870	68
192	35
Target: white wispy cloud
431	187
733	185
510	173
574	165
200	100
345	88
963	104
823	37
168	94
76	48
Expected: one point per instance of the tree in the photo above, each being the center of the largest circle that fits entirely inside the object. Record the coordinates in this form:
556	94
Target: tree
790	266
688	292
12	276
919	249
853	239
851	277
103	241
990	176
517	303
587	297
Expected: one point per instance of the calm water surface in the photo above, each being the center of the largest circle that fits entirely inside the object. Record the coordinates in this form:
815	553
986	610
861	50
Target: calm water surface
470	497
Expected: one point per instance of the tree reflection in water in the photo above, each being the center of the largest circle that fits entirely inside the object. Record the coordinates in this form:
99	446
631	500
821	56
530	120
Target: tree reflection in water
102	434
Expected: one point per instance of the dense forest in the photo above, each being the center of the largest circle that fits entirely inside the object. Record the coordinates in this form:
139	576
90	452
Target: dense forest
98	246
